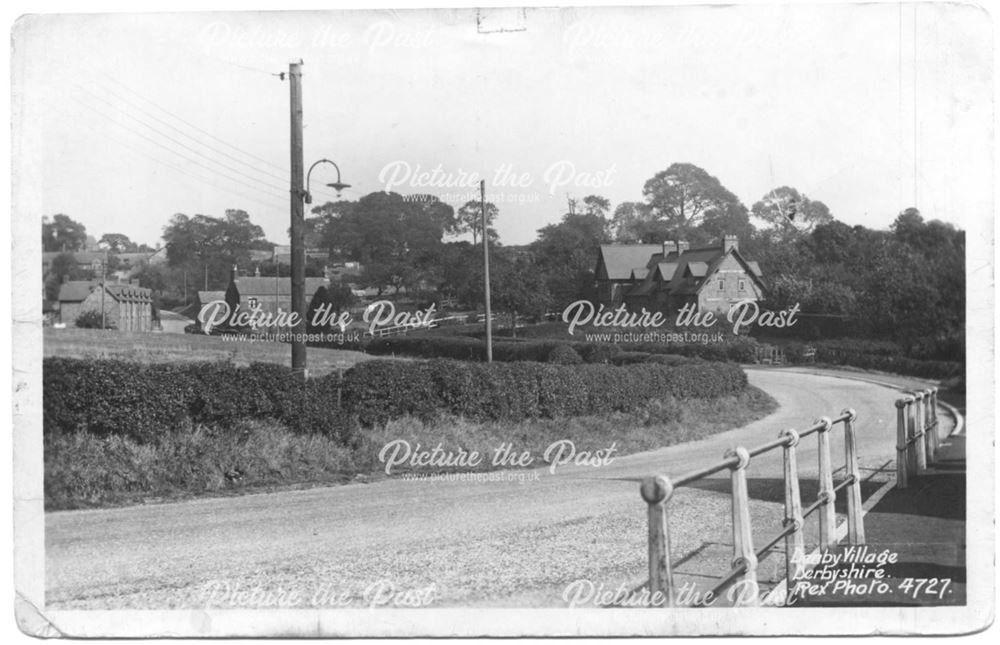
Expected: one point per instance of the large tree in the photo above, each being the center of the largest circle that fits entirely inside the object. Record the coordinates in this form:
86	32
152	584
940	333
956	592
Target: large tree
470	220
565	255
117	243
62	233
683	196
213	244
788	210
397	240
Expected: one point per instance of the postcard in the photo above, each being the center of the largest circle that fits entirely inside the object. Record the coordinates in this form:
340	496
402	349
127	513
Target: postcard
515	321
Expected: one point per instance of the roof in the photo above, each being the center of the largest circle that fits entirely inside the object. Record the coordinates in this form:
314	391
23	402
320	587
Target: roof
253	286
205	297
639	273
755	268
619	259
698	269
667	270
132	292
80	257
76	290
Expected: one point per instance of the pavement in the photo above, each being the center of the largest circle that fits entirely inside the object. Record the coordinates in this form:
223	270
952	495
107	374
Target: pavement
518	540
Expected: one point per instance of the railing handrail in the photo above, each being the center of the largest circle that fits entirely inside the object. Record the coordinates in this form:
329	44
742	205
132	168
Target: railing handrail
916	433
656	491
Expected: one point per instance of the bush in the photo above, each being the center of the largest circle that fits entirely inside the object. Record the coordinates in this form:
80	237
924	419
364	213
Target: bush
564	355
114	397
93	319
376	391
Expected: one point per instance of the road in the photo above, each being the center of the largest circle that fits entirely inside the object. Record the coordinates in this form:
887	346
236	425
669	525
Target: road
406	543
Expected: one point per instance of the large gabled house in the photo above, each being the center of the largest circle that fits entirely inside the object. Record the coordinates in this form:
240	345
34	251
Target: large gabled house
126	306
665	277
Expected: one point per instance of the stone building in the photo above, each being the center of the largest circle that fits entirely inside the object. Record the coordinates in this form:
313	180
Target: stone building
668	276
127	307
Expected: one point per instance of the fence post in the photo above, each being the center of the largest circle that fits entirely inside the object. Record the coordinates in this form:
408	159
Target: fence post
855	520
827	512
930	422
795	547
911	453
656	491
748	593
902	450
919	430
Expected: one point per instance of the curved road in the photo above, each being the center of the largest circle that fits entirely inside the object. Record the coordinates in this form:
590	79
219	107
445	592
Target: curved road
398	542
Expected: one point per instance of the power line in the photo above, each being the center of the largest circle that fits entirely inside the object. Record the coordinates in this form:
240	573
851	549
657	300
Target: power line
172	151
285	171
175	141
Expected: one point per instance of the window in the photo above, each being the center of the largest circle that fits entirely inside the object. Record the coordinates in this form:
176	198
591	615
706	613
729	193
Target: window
743	285
722	284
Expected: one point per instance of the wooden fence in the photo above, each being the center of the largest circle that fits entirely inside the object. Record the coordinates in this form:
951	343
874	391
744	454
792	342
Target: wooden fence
657	491
916	434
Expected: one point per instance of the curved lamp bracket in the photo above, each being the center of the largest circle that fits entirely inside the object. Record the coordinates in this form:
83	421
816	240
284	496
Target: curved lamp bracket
337	185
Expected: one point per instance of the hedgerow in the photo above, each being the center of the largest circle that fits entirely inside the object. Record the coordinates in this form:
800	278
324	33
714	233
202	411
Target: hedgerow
145	401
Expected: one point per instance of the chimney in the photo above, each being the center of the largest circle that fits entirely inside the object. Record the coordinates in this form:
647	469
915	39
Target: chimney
682	246
730	242
234	275
668	248
256	271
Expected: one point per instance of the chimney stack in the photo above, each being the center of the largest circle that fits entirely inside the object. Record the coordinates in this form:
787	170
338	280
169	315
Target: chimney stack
668	248
682	246
730	242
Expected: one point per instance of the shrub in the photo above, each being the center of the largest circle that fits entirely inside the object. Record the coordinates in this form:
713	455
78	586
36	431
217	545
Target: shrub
140	401
564	355
93	319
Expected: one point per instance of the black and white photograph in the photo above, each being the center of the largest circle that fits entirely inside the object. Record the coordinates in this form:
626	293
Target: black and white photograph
649	321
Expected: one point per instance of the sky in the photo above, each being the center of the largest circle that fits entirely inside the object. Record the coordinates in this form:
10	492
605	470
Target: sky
122	120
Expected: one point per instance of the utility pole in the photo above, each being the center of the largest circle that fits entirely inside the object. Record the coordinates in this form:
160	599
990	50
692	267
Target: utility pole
104	288
486	272
297	205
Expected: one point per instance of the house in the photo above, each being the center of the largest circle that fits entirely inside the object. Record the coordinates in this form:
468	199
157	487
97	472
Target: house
85	260
666	277
266	293
126	306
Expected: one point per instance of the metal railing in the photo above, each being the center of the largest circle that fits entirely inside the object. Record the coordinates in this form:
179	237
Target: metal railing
657	491
917	440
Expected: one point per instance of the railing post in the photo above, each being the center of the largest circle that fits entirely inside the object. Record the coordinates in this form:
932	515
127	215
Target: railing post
795	547
902	449
656	491
827	512
930	416
748	593
855	520
911	433
919	432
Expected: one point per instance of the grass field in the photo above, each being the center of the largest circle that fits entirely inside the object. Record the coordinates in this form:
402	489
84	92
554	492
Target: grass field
169	348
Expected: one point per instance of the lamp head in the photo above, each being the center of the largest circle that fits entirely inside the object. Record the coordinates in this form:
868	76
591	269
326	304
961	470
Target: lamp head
338	186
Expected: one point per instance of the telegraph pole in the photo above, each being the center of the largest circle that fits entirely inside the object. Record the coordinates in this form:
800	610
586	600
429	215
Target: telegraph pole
486	272
297	205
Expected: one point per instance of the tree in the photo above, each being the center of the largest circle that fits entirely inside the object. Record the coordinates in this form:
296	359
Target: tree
631	222
596	205
396	240
564	255
789	210
517	287
62	233
117	243
683	195
214	244
470	220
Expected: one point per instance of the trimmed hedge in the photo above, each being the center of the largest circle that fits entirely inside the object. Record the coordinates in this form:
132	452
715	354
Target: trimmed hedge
376	391
738	349
145	401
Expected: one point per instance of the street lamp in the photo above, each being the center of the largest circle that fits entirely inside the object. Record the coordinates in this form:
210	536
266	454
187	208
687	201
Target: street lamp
337	185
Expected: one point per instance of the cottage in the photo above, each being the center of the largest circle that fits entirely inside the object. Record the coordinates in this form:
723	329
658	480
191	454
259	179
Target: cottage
126	306
666	277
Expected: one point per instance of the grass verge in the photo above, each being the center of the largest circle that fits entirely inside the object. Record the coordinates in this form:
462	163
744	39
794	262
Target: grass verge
83	470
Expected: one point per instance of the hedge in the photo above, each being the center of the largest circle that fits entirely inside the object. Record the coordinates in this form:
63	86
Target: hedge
376	391
144	401
739	349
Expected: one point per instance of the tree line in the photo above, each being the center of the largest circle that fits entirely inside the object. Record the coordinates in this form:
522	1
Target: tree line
905	283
